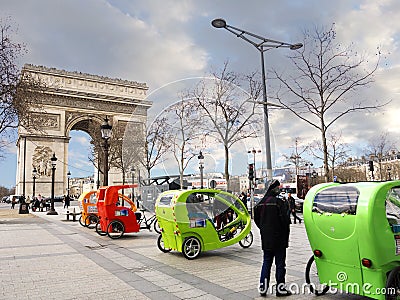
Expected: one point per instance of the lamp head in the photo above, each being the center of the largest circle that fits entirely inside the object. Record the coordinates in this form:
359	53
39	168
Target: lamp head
106	129
69	173
296	46
34	172
201	158
53	160
218	23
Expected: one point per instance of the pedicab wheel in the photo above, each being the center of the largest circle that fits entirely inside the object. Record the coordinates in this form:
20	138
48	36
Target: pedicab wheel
91	221
191	247
98	229
81	221
157	226
393	284
247	241
313	280
161	246
115	229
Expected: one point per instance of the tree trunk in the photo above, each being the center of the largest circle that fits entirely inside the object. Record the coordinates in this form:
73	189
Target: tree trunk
325	149
181	171
227	167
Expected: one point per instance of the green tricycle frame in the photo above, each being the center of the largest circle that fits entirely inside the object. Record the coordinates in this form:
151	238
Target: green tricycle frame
353	230
186	219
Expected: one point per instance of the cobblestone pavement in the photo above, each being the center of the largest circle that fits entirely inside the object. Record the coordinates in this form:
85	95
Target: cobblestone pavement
47	257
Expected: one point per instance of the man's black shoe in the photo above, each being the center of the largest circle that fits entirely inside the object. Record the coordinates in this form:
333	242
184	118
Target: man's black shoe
283	293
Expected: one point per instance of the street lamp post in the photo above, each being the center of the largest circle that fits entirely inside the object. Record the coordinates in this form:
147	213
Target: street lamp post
296	159
34	173
388	170
53	160
262	44
106	132
201	167
254	151
68	175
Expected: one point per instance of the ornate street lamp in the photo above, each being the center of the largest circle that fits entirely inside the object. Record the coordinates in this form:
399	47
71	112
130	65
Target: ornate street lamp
68	175
106	133
53	160
262	44
201	167
34	173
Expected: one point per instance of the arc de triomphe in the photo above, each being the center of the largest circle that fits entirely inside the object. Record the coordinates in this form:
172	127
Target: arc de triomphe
74	101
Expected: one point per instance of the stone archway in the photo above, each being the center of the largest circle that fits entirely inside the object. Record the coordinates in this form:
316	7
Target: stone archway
73	101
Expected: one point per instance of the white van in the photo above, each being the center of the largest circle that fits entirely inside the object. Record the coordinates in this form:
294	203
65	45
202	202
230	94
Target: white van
16	197
291	187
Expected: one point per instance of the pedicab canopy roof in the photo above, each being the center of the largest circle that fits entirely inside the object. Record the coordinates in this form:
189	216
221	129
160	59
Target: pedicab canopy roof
110	194
201	203
351	198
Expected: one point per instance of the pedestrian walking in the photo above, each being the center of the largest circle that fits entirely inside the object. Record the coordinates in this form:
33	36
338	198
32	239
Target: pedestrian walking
243	197
28	202
66	201
292	204
13	202
271	217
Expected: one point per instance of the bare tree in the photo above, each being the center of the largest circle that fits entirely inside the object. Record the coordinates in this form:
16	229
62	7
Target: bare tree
18	90
123	158
337	151
328	75
156	145
295	156
349	174
379	148
230	113
182	121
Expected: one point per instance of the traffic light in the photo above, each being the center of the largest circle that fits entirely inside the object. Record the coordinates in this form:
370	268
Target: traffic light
251	171
371	165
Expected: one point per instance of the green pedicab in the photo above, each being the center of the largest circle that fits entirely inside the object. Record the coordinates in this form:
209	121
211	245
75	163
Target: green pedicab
193	221
354	232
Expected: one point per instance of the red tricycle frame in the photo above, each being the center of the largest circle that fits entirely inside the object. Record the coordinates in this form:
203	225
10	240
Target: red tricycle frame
115	219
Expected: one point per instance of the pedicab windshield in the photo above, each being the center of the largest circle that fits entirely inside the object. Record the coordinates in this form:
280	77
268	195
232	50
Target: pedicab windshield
337	200
393	205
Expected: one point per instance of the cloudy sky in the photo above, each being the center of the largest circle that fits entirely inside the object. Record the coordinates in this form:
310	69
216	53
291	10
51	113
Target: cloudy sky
161	42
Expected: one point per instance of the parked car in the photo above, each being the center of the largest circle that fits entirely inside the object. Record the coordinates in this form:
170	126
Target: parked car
56	199
4	199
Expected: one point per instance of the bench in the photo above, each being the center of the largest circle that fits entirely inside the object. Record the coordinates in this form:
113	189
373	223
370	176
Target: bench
73	214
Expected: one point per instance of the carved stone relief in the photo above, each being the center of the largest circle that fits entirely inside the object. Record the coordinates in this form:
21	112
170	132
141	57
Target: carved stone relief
41	160
46	121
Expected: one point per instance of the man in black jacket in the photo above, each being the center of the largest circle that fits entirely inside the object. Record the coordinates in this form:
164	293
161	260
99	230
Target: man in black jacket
271	217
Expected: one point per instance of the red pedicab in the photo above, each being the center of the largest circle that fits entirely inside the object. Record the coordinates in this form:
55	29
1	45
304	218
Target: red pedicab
116	219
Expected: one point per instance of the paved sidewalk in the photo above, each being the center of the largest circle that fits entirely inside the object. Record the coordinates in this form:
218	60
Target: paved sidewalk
47	257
